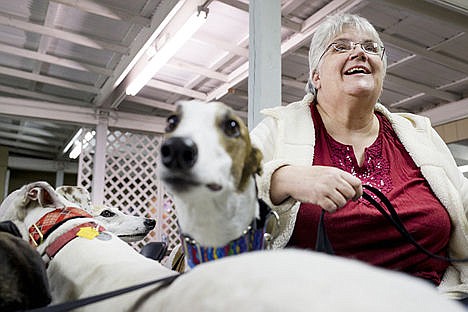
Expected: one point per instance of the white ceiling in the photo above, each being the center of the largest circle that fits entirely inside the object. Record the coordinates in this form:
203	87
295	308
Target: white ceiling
60	61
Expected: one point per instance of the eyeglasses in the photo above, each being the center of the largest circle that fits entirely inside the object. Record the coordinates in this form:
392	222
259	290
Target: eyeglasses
370	47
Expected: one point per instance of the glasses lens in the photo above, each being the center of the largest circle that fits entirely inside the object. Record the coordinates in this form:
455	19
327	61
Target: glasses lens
342	45
371	47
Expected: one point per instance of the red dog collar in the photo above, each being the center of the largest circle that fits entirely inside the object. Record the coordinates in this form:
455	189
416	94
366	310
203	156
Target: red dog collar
39	231
65	238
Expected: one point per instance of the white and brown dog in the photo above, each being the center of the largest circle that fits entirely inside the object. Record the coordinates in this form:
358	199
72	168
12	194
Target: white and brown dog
127	227
209	166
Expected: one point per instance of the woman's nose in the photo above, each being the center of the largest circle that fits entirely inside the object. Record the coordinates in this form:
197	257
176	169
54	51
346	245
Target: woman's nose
358	52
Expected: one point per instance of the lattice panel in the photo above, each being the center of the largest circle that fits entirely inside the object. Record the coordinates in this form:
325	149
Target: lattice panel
131	181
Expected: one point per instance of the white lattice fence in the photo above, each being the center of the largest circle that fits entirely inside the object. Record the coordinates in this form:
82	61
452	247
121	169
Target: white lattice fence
132	182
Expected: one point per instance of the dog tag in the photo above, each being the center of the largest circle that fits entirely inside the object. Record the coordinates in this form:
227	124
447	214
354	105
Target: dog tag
104	236
87	232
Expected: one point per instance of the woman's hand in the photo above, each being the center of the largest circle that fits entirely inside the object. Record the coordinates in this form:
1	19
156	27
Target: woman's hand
328	187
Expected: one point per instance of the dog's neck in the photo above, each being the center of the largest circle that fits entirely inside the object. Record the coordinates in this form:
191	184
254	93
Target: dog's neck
37	213
215	219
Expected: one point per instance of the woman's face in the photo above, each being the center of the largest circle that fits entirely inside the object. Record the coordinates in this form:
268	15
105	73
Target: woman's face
355	73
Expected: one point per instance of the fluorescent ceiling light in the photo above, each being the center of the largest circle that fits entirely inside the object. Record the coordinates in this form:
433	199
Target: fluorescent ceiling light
463	169
78	145
76	151
70	143
157	58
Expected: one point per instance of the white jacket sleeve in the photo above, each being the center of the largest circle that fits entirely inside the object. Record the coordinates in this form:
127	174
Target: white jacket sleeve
265	137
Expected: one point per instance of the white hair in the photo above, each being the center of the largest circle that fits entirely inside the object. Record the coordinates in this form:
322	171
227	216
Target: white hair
332	27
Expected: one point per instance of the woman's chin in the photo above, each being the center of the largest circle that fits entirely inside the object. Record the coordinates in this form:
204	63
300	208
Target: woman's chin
362	91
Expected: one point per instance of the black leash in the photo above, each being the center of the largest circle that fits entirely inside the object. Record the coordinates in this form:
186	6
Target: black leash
67	306
324	245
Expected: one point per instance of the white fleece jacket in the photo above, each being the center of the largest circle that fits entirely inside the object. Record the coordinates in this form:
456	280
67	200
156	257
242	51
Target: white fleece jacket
287	137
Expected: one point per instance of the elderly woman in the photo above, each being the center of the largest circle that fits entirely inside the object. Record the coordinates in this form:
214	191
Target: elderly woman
320	151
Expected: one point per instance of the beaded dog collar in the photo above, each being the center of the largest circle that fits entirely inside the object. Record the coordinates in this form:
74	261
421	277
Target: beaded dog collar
253	238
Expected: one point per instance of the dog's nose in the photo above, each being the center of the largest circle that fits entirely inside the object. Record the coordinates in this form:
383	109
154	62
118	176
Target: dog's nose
149	223
179	153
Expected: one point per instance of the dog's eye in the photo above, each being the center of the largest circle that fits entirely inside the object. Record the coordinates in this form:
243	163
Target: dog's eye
172	122
231	128
107	214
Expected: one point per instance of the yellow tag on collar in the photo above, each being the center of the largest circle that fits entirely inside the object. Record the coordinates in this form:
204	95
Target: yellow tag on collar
87	232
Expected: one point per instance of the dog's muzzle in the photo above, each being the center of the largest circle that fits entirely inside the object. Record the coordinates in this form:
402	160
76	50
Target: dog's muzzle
179	153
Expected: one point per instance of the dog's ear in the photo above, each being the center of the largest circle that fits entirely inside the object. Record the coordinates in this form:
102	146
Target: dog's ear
253	165
256	157
43	196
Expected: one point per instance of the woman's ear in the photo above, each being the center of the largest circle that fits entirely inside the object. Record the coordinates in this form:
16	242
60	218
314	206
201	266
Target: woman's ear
316	79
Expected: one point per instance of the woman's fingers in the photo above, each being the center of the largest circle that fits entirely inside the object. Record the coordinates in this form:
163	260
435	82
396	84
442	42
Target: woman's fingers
329	187
353	186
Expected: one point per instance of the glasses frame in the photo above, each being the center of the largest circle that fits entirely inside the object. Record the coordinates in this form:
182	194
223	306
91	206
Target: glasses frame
353	45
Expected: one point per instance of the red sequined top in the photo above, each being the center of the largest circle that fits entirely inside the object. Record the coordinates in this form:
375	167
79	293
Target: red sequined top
358	230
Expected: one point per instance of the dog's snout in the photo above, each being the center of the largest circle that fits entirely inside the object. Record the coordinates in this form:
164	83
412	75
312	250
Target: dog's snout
179	153
149	223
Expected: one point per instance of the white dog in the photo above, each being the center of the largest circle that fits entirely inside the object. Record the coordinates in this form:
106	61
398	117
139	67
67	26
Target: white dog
127	227
82	258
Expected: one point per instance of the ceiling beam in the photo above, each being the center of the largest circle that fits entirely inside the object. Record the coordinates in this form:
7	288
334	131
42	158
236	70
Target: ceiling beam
31	153
26	108
12	21
44	42
28	138
300	85
221	44
24	163
151	103
111	12
237	76
44	79
33	131
424	52
435	12
209	73
41	96
447	112
157	84
285	22
28	146
429	90
54	60
219	63
415	97
291	5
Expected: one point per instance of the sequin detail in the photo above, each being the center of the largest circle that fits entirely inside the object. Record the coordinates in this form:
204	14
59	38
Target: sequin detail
375	170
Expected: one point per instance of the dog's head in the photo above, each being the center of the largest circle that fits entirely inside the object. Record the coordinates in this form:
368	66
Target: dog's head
207	146
33	195
127	227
